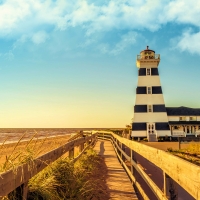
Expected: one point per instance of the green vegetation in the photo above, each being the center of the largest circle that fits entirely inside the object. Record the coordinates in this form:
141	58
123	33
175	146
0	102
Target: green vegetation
62	179
191	154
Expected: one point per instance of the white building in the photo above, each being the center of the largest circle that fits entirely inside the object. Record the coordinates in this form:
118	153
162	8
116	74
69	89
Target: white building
184	121
152	120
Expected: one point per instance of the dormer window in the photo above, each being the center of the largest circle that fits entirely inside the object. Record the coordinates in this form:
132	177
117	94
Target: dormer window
148	72
193	118
182	118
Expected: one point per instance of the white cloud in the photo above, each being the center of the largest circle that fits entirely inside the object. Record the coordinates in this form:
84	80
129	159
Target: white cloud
20	17
9	55
182	11
189	41
24	20
39	37
126	41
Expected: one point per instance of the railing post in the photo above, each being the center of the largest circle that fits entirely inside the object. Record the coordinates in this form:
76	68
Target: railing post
121	152
131	158
25	190
166	184
71	153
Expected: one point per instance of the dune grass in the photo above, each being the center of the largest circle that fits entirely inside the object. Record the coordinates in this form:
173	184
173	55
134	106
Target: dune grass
191	153
65	179
62	179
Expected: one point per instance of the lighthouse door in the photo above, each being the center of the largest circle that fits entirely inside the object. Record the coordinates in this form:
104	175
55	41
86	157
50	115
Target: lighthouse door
151	132
151	128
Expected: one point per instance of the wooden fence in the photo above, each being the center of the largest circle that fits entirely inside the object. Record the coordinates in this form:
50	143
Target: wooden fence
20	176
186	174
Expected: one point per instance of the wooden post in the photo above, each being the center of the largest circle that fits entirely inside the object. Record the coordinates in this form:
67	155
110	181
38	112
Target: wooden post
25	190
166	185
131	158
71	153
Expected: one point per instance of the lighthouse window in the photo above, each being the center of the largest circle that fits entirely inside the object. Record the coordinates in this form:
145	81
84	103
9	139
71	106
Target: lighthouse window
149	108
148	71
149	90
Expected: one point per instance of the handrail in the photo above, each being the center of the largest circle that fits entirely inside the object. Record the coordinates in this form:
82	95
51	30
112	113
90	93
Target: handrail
155	56
186	174
12	179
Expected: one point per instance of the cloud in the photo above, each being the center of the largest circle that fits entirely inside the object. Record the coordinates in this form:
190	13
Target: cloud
35	20
39	37
9	55
189	41
126	41
182	11
20	17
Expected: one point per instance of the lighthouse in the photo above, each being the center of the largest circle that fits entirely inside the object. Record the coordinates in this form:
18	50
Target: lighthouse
150	117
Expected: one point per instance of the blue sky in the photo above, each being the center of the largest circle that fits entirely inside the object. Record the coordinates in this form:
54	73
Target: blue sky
72	63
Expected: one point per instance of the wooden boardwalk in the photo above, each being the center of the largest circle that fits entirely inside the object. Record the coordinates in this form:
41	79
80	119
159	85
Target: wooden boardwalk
117	181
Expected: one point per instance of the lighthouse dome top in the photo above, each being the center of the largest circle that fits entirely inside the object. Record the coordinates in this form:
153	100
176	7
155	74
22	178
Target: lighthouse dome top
147	50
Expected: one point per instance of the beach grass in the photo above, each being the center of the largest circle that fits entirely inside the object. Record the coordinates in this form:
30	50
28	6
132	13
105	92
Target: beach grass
191	153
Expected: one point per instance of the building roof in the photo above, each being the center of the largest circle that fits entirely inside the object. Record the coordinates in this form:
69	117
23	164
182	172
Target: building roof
147	49
184	123
182	111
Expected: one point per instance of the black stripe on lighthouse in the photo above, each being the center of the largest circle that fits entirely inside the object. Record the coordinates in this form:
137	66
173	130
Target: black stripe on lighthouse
139	126
154	71
140	108
159	108
156	90
141	90
162	126
142	72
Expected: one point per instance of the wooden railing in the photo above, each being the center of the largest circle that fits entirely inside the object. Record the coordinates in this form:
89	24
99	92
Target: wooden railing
20	176
175	170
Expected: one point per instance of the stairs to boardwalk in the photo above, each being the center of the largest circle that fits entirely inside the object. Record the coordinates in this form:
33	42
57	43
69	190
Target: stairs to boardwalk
152	138
117	181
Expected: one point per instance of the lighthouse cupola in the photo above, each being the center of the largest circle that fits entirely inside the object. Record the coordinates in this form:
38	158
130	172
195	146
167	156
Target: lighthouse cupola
147	57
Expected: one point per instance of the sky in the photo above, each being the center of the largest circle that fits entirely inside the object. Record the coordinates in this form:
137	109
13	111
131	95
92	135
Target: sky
68	64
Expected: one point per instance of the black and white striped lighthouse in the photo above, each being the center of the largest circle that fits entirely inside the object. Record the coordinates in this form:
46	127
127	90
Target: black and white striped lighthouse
150	118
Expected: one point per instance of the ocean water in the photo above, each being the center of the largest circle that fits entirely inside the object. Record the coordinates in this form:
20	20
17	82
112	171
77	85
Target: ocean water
14	134
9	135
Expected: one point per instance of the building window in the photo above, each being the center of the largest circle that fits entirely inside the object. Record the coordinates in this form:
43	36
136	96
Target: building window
150	108
148	72
182	118
193	118
148	90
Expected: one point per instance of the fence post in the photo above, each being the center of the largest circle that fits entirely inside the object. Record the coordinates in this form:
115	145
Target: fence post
71	153
131	158
121	152
25	190
166	184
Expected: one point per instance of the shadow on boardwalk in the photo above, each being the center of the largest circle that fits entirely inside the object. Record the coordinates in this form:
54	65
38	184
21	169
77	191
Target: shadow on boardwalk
117	182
